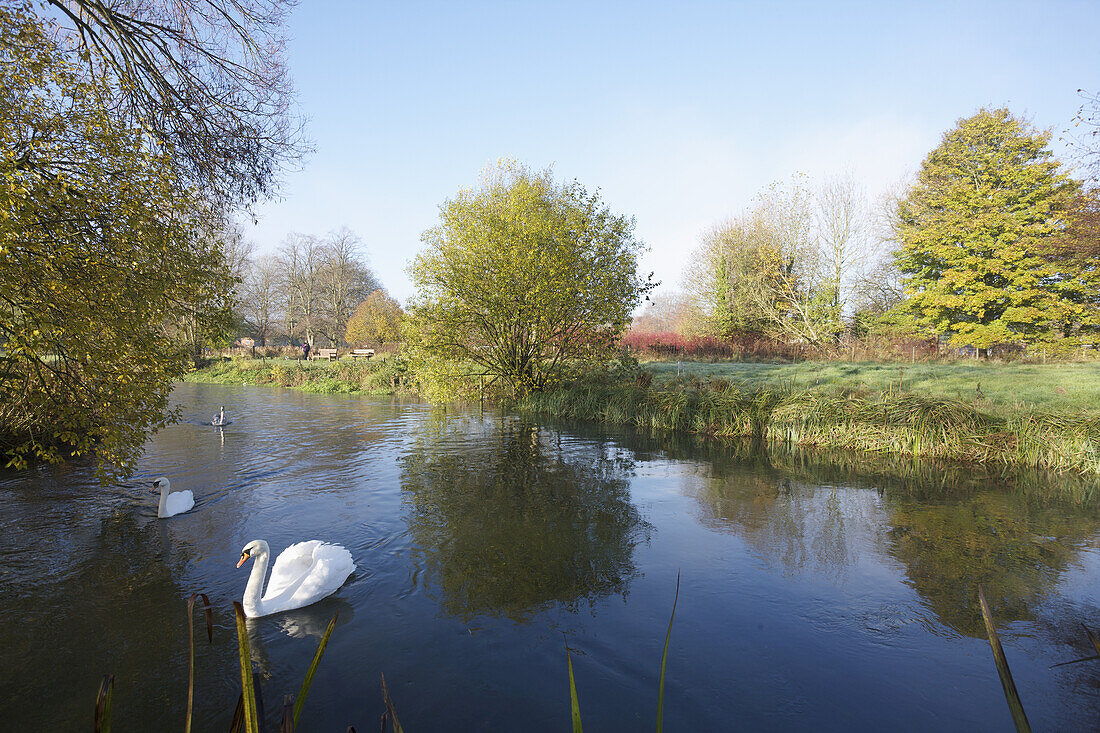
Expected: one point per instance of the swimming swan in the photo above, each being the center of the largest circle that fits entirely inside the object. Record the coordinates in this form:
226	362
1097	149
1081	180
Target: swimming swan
219	419
172	504
303	573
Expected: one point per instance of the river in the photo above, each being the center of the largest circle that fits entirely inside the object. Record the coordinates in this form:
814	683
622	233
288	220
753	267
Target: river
830	594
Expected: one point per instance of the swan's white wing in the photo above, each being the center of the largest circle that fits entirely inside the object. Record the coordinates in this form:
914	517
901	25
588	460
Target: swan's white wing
291	567
332	564
178	502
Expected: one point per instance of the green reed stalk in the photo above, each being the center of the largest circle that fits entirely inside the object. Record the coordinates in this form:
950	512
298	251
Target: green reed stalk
1015	705
191	640
664	661
248	691
300	702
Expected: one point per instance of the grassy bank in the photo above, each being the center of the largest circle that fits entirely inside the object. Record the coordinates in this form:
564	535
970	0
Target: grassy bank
775	408
382	376
1072	386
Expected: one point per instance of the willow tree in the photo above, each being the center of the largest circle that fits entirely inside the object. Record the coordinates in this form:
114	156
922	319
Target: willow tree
104	245
520	276
975	231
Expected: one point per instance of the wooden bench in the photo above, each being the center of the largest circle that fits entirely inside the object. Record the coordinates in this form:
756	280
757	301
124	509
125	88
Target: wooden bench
328	354
362	353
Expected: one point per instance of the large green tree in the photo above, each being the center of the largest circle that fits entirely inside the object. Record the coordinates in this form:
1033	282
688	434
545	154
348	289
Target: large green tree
104	246
974	232
521	275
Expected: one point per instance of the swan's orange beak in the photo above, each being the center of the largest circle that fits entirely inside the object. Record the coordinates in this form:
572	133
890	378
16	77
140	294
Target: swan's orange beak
244	556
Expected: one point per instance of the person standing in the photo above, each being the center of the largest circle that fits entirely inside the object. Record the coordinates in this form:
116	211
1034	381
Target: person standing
305	349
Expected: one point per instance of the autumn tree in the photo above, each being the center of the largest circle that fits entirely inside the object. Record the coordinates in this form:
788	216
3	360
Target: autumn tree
973	229
522	274
782	268
103	245
377	320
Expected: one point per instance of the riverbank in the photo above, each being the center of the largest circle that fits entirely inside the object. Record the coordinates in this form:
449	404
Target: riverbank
1024	416
893	420
382	376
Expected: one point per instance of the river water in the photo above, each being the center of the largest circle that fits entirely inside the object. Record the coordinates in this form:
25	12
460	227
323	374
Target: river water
836	594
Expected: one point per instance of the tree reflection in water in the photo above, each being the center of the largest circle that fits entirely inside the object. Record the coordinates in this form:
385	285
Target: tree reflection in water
950	526
517	524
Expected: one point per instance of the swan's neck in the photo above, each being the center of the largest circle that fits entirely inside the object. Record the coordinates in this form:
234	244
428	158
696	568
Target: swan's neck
253	604
162	508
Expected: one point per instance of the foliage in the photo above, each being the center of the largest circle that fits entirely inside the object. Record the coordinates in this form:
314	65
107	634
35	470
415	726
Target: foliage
973	229
379	376
102	247
377	320
522	274
778	269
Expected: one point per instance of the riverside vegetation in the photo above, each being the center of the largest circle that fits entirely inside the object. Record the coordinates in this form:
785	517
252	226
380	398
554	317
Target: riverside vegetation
1011	415
382	376
879	416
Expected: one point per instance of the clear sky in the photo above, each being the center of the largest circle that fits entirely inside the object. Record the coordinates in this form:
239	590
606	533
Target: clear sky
680	112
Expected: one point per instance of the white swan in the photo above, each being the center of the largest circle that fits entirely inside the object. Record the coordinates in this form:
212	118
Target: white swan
219	419
303	573
172	504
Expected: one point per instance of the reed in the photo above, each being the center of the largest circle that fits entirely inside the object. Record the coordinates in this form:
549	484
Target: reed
574	705
248	717
1015	706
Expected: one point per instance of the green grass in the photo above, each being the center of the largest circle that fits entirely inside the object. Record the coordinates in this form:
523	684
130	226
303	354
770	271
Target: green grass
382	376
1068	386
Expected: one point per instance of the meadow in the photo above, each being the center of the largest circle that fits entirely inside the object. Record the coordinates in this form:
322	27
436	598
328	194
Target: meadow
1073	386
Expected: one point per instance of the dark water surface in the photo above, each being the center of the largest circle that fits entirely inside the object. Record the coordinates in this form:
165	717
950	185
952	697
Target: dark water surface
812	594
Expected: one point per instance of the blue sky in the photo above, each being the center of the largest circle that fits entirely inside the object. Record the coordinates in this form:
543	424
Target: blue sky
679	112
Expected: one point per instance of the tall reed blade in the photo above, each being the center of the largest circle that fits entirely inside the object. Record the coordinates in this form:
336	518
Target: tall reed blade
248	692
1095	642
301	700
1015	706
260	717
664	660
1095	645
287	724
237	726
573	704
191	639
103	702
390	710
